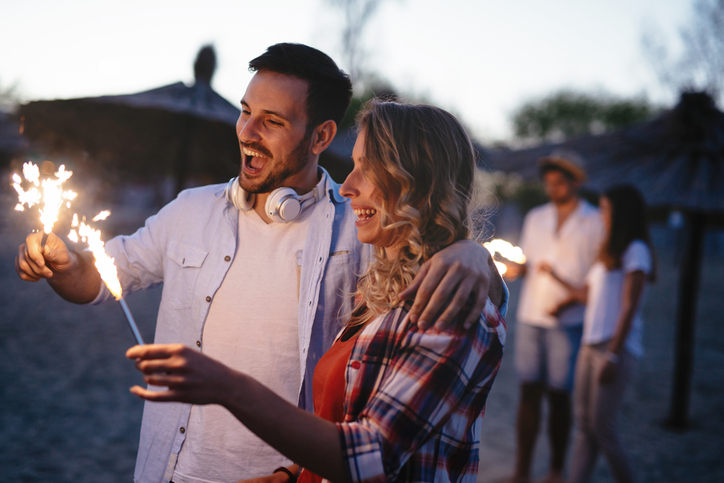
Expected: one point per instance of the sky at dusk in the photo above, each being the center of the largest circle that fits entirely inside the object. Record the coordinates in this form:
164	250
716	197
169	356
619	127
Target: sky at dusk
479	59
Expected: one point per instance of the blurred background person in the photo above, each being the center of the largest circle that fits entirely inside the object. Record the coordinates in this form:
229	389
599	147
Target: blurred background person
612	331
565	234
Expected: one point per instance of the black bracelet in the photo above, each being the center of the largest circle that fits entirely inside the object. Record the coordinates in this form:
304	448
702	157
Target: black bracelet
291	475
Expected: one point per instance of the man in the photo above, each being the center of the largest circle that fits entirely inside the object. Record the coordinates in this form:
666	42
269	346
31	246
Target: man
260	296
565	234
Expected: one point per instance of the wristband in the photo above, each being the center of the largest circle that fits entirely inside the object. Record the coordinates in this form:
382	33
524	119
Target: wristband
282	469
611	357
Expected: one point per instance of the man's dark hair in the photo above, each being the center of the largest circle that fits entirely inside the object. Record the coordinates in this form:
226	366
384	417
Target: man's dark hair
330	89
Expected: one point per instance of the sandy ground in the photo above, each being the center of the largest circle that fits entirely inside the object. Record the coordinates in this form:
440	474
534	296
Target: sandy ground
66	414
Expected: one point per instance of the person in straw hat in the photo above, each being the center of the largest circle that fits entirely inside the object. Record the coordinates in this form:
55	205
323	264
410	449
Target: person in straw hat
565	234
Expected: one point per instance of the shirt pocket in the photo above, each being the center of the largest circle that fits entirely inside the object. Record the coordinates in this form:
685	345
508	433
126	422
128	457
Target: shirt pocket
182	271
340	256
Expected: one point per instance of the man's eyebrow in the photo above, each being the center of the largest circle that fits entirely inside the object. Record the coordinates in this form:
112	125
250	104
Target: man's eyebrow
267	111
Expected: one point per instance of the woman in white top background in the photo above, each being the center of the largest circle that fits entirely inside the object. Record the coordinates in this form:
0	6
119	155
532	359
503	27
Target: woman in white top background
612	332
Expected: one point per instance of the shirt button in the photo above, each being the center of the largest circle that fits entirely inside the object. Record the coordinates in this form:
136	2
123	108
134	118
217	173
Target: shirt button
227	258
208	299
320	259
182	430
355	365
310	303
198	343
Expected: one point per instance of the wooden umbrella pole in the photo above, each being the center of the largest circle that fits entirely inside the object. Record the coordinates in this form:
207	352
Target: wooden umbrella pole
688	291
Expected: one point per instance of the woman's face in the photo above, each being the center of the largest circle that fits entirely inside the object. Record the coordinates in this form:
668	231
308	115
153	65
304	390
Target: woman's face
604	205
365	198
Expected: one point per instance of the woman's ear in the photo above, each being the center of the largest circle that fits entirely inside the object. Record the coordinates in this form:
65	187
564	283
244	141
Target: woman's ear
323	135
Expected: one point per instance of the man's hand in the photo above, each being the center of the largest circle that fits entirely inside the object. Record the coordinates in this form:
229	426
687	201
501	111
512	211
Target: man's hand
514	270
462	275
188	375
32	265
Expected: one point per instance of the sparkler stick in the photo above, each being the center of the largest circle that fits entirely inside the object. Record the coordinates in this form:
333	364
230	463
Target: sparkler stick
131	321
106	266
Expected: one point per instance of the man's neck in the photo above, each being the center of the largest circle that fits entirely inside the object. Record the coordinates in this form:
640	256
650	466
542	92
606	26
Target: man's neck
565	209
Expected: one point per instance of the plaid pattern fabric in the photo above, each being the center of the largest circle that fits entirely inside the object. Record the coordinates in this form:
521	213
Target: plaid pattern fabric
414	400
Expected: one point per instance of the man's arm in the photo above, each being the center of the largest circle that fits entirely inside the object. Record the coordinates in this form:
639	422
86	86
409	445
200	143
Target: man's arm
456	278
71	274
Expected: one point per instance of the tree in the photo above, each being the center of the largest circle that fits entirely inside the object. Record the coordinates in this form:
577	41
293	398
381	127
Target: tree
357	14
700	66
569	113
9	98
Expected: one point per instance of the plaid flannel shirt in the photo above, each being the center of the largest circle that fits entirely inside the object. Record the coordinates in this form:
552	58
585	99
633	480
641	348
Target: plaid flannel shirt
414	400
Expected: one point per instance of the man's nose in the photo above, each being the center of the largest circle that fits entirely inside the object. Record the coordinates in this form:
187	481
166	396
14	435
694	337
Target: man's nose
247	130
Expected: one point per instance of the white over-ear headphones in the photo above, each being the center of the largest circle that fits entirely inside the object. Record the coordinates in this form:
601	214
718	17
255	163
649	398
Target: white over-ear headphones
283	204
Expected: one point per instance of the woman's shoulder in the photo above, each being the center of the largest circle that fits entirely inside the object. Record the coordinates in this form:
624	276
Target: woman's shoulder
396	324
637	257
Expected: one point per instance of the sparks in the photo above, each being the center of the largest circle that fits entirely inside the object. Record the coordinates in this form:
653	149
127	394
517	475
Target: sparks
102	215
104	263
52	195
506	250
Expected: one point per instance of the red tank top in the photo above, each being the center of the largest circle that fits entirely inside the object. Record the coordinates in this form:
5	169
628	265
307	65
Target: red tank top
329	384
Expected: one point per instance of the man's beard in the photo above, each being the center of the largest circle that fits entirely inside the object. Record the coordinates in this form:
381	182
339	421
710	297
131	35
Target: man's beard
291	165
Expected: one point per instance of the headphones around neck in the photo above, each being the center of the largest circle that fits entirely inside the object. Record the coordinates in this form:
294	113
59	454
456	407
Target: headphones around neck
283	204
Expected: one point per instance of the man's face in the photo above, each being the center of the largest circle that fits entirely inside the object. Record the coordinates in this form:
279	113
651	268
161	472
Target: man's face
272	132
559	187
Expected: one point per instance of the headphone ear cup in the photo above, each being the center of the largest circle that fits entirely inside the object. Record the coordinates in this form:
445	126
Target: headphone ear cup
237	196
283	205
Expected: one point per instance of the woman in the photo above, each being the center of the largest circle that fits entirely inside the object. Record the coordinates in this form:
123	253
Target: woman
395	402
612	332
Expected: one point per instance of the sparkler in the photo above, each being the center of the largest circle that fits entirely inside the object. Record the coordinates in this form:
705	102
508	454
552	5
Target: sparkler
506	250
104	263
52	195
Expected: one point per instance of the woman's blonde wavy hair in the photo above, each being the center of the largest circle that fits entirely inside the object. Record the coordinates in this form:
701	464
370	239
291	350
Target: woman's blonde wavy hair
422	162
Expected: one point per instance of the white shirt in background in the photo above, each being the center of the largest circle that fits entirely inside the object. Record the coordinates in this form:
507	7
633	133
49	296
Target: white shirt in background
605	295
571	251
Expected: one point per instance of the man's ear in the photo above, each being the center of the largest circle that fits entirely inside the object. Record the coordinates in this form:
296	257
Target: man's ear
323	135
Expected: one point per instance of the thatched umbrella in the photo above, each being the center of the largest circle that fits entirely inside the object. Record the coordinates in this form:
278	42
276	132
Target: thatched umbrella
175	130
677	161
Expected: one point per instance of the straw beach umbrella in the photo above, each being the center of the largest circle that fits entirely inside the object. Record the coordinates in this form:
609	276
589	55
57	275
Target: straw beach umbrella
179	131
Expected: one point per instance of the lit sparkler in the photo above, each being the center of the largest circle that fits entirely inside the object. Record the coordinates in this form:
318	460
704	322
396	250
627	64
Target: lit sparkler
104	263
505	250
52	196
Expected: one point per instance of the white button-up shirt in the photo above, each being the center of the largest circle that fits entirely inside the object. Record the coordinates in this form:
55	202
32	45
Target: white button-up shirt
571	252
187	246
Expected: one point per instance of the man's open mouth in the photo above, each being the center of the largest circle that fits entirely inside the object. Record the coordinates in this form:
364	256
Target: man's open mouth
254	161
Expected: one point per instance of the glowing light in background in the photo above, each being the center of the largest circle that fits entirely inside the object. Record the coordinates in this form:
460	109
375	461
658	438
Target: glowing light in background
505	250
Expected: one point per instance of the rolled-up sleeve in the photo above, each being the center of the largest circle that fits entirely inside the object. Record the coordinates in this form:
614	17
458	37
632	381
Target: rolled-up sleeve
139	257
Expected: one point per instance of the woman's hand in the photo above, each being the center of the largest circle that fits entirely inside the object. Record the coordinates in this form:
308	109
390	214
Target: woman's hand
187	375
608	372
556	310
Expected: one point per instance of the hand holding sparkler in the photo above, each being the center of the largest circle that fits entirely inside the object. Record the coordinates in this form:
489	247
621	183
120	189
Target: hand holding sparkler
35	262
